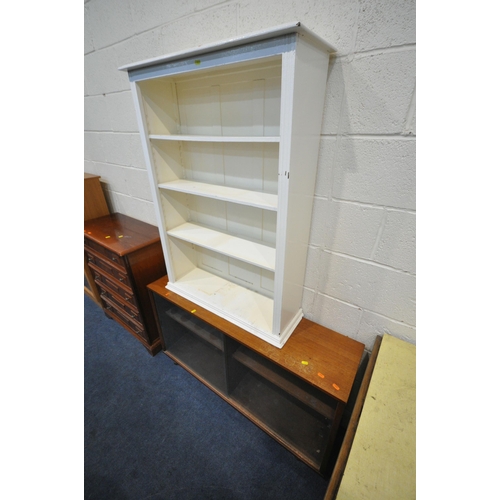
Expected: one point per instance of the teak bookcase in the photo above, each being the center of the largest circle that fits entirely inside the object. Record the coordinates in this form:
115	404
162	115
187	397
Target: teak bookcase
297	394
231	134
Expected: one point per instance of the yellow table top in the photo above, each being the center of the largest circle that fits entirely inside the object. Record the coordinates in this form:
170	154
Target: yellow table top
382	461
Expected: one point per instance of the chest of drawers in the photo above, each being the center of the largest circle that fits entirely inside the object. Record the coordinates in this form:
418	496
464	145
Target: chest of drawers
124	255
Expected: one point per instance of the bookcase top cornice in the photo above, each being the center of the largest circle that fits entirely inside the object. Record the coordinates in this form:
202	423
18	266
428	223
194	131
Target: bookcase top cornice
284	29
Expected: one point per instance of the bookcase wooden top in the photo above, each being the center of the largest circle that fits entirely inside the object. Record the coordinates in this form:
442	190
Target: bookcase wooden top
311	351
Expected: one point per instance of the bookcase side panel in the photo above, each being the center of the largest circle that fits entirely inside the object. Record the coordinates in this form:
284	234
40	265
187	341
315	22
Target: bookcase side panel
310	74
160	106
184	257
152	174
287	89
167	162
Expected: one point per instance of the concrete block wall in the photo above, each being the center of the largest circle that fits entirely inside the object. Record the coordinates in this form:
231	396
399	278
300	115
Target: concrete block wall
361	272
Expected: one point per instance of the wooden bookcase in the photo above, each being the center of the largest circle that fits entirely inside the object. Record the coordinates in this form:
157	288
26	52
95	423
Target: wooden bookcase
230	133
297	394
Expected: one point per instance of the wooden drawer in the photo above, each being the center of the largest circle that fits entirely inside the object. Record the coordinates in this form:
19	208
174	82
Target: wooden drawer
114	288
95	248
127	308
123	283
116	272
117	314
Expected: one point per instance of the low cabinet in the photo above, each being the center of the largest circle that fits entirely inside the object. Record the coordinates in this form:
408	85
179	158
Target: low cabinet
297	394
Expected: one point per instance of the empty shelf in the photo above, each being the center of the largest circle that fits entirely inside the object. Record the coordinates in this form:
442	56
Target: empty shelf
215	138
246	308
266	201
247	251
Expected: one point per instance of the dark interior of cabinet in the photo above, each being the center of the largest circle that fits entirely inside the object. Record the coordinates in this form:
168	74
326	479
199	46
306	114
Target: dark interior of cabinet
193	344
282	402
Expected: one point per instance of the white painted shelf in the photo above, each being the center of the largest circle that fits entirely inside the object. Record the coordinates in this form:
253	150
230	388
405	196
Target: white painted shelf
238	248
231	135
214	138
247	309
266	201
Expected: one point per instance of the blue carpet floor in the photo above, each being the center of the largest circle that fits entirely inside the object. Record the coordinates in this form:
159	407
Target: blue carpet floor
152	431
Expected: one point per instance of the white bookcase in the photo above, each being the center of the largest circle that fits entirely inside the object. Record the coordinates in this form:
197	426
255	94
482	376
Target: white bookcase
230	133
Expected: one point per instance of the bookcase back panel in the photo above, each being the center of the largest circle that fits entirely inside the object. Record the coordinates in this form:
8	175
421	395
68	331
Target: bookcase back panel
252	166
203	162
251	277
252	223
237	220
242	100
188	257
